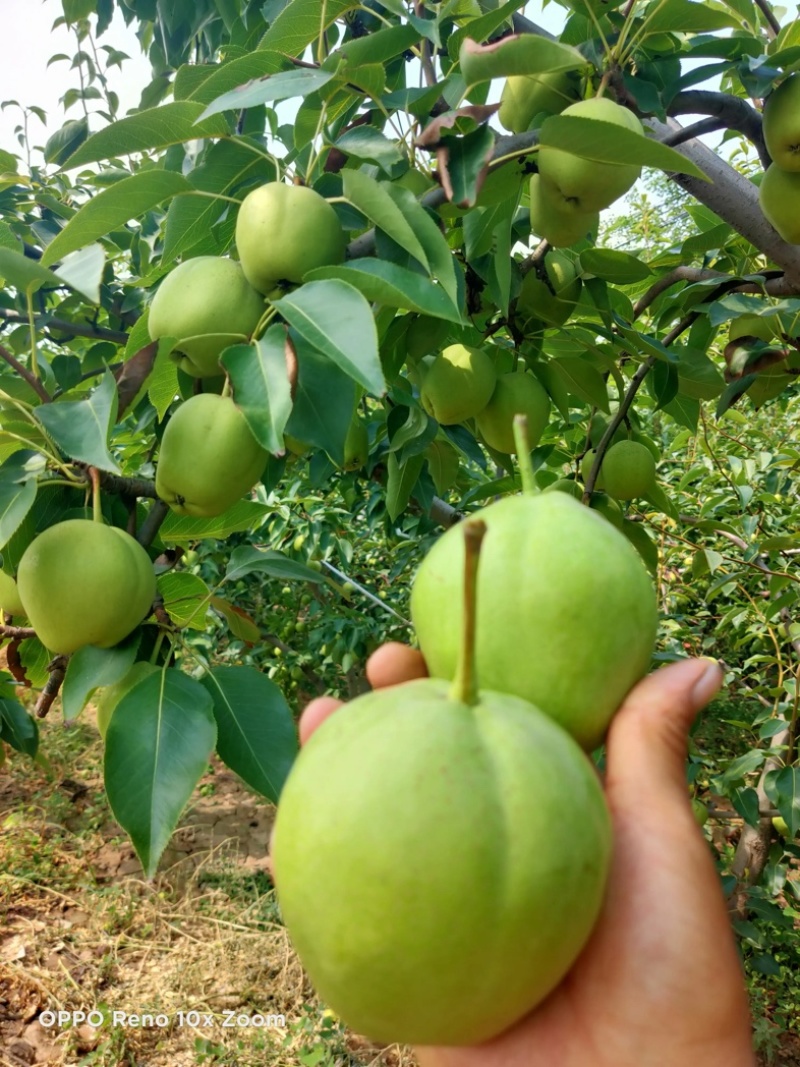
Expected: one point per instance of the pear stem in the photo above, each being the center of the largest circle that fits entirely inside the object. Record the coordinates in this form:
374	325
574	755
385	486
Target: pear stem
523	446
97	509
226	388
465	684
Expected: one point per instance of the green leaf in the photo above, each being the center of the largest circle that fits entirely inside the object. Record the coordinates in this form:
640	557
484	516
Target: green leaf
256	734
18	476
281	86
372	199
745	801
248	560
685	410
261	386
186	598
25	274
467	159
236	72
619	268
83	271
225	169
605	142
687	16
382	282
783	789
162	385
582	380
325	398
182	529
18	728
158	744
661	502
301	22
443	263
401	481
157	127
113	207
365	142
698	376
523	54
90	668
375	47
336	320
239	622
81	427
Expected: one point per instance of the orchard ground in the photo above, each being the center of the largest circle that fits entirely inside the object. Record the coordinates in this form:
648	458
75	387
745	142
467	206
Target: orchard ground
84	930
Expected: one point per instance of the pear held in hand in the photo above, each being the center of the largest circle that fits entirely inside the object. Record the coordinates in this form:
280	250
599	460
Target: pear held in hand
440	856
566	610
208	457
84	583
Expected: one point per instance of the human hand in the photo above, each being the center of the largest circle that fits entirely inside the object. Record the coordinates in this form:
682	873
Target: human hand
659	984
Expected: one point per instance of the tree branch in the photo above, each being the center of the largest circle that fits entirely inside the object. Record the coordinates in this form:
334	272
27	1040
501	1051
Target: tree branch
733	112
152	523
28	376
769	17
73	329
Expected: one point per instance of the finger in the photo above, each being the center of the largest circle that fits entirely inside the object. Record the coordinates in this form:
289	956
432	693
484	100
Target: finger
393	664
647	742
315	714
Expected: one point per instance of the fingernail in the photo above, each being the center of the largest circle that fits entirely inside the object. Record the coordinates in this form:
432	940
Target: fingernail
707	684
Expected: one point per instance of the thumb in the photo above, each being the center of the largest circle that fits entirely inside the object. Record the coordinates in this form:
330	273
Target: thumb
648	739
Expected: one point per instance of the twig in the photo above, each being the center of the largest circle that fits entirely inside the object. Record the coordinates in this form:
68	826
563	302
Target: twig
23	372
73	329
19	632
732	112
152	523
58	668
769	16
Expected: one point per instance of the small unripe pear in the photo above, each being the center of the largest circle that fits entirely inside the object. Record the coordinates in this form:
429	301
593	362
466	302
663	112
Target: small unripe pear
629	470
458	384
517	393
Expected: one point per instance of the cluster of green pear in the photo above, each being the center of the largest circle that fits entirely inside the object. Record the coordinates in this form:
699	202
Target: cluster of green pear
779	192
209	457
80	583
461	383
568	193
440	852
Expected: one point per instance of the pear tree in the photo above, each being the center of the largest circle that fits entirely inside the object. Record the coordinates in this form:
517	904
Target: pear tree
291	304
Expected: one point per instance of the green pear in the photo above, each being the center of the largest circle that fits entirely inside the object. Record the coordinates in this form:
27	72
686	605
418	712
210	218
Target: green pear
295	446
443	464
208	457
550	291
585	184
782	124
604	505
598	426
700	811
629	470
517	393
283	232
356	446
208	305
554	219
83	583
779	196
10	603
525	96
458	384
566	613
110	695
565	485
492	865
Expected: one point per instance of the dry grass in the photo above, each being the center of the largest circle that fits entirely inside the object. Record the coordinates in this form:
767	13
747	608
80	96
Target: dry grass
204	937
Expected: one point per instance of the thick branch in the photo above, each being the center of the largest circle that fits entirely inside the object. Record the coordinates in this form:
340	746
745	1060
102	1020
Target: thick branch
152	523
58	668
733	112
135	487
769	17
29	377
735	199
